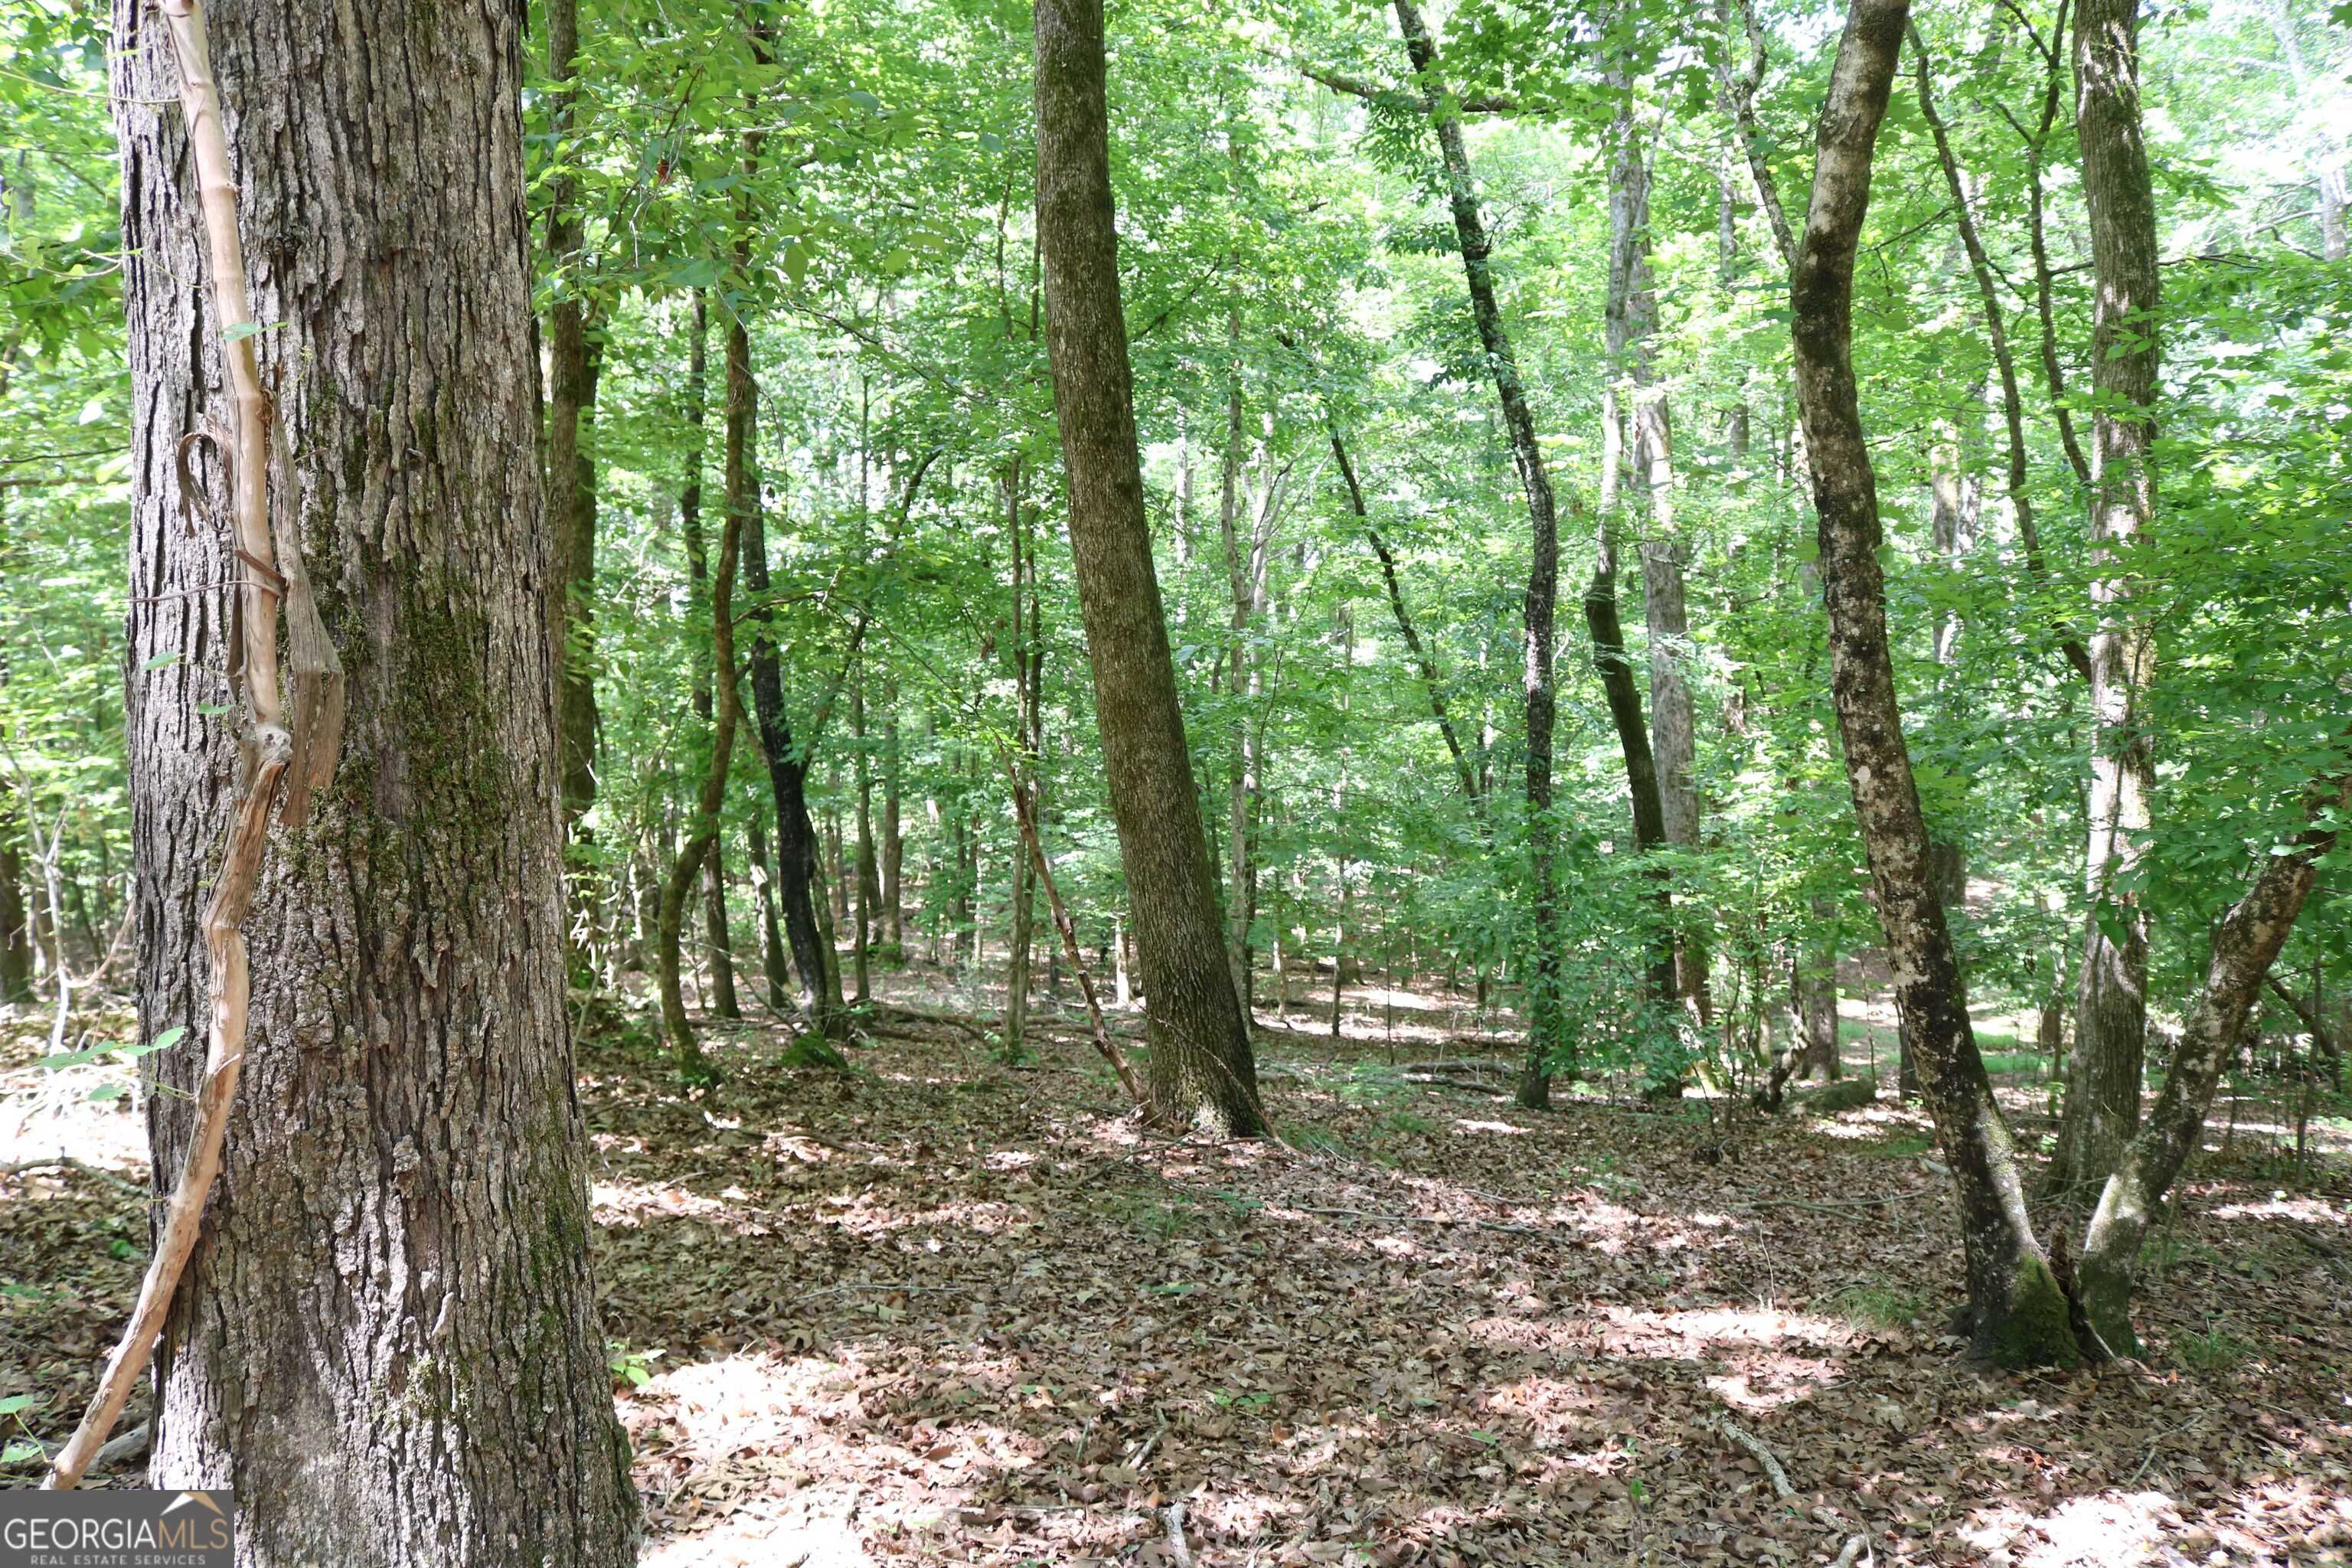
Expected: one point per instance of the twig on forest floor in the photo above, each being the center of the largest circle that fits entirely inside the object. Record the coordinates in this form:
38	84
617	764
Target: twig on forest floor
67	1162
1494	1224
1855	1546
1764	1456
1823	1205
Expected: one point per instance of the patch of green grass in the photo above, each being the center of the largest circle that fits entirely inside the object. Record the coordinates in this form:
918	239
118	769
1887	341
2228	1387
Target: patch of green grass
1904	1148
1879	1306
1406	1123
2215	1350
1370	1083
2016	1064
1603	1176
1152	1217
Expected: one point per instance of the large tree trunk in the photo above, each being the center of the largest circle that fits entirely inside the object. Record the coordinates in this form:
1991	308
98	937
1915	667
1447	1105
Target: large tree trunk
1201	1070
1547	1034
2104	1073
2018	1314
386	1343
2245	944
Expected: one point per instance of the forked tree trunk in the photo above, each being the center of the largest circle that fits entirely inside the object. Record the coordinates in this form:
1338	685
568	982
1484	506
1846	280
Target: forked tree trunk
2103	1074
1202	1070
697	576
2018	1313
1549	1041
387	1341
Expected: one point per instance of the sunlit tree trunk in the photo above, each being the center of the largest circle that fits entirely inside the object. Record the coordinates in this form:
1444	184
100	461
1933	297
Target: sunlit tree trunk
386	1341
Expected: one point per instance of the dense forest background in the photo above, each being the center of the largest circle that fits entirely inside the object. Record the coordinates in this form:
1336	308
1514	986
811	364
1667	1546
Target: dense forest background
797	424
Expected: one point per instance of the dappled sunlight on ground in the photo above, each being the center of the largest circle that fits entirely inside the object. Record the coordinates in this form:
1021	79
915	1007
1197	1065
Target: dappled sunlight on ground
940	1309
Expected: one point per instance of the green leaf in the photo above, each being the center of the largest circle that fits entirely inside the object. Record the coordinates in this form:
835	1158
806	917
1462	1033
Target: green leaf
162	662
243	329
15	1402
106	1093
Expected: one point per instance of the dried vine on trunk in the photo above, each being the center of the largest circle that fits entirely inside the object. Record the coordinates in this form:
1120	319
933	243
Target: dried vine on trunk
288	744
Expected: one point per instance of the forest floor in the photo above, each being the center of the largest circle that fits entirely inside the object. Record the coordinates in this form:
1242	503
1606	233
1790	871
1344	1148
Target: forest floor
942	1310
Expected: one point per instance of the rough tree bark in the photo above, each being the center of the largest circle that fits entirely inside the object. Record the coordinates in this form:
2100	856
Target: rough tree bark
387	1343
2018	1313
2104	1073
1202	1071
1548	1036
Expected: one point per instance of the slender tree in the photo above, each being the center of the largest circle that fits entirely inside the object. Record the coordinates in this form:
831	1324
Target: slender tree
2018	1313
1202	1071
2103	1074
1547	1034
574	358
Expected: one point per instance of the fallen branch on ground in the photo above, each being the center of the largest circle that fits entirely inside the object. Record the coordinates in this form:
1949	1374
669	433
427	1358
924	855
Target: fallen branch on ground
1755	1446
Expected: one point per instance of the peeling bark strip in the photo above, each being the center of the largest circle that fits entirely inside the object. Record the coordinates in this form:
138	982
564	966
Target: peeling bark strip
1202	1071
386	1340
2018	1314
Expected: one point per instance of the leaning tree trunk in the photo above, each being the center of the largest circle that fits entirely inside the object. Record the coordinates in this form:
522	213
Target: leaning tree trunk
2018	1313
796	840
1202	1070
2103	1075
2245	945
386	1343
1548	1036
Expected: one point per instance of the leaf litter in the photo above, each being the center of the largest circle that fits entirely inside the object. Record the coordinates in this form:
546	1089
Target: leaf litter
942	1311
